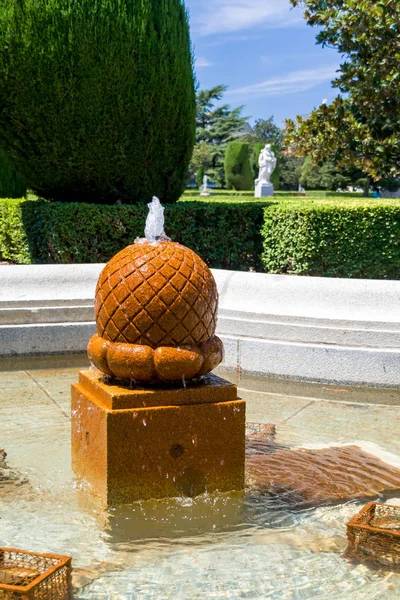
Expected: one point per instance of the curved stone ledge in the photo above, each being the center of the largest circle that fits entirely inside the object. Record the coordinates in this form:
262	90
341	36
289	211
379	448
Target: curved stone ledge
312	328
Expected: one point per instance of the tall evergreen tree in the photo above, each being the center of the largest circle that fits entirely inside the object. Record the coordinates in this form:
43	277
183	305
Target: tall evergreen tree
265	131
11	184
237	166
97	98
216	126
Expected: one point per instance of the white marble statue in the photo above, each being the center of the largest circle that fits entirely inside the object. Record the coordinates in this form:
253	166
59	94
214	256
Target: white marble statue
267	164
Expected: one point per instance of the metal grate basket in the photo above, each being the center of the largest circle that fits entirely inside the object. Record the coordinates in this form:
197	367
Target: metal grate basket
30	576
374	536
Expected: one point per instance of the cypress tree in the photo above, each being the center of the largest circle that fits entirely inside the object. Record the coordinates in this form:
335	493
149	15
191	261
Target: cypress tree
237	166
11	185
97	99
200	176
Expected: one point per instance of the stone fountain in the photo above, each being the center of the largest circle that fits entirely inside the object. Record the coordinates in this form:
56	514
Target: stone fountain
151	421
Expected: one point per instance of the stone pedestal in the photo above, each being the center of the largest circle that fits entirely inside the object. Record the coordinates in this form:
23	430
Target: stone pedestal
263	190
154	443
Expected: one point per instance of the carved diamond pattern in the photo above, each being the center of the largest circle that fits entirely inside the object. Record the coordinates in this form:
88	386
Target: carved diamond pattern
157	295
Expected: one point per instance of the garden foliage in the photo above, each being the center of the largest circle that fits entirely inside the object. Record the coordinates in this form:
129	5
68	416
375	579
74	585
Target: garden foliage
215	127
97	98
237	166
333	237
226	236
11	185
361	127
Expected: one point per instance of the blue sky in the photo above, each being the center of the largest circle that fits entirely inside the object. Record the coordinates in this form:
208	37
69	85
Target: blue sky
265	52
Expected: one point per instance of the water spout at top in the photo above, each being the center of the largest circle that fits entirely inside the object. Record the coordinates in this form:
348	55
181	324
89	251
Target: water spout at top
154	229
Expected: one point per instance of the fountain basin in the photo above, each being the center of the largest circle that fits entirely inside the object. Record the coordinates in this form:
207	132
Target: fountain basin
317	329
241	544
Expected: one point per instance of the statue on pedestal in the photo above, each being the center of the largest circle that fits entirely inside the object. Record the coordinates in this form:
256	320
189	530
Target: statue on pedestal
204	188
267	164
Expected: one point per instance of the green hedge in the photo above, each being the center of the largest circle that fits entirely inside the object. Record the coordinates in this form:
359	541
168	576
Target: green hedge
327	194
278	193
348	238
37	231
333	239
218	192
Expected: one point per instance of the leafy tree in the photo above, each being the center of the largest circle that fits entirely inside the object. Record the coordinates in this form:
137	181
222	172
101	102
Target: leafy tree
361	128
265	131
202	160
237	166
11	185
328	176
216	126
321	177
97	99
290	171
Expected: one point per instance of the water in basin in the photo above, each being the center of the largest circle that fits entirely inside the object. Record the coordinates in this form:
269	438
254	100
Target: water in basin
240	545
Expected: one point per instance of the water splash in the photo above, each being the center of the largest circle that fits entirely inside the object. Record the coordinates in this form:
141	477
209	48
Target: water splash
154	229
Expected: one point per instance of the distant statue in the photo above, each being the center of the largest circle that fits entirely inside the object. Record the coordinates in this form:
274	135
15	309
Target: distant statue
267	164
204	188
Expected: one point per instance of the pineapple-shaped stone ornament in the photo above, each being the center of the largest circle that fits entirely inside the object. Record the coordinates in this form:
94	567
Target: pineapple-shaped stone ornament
156	310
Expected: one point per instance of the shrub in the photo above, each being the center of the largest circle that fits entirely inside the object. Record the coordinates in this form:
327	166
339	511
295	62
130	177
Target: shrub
218	192
97	98
11	185
225	235
237	166
254	159
15	231
333	239
199	177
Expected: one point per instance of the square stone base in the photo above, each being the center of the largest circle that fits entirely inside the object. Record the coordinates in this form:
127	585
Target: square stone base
138	444
263	190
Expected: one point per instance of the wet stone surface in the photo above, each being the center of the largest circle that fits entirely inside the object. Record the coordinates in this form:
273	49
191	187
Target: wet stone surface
306	478
245	545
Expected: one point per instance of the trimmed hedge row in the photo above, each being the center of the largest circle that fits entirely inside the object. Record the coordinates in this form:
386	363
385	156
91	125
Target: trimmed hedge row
37	231
278	193
359	239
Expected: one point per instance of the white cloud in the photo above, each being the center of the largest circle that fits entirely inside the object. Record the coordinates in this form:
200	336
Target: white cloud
224	16
202	62
290	83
